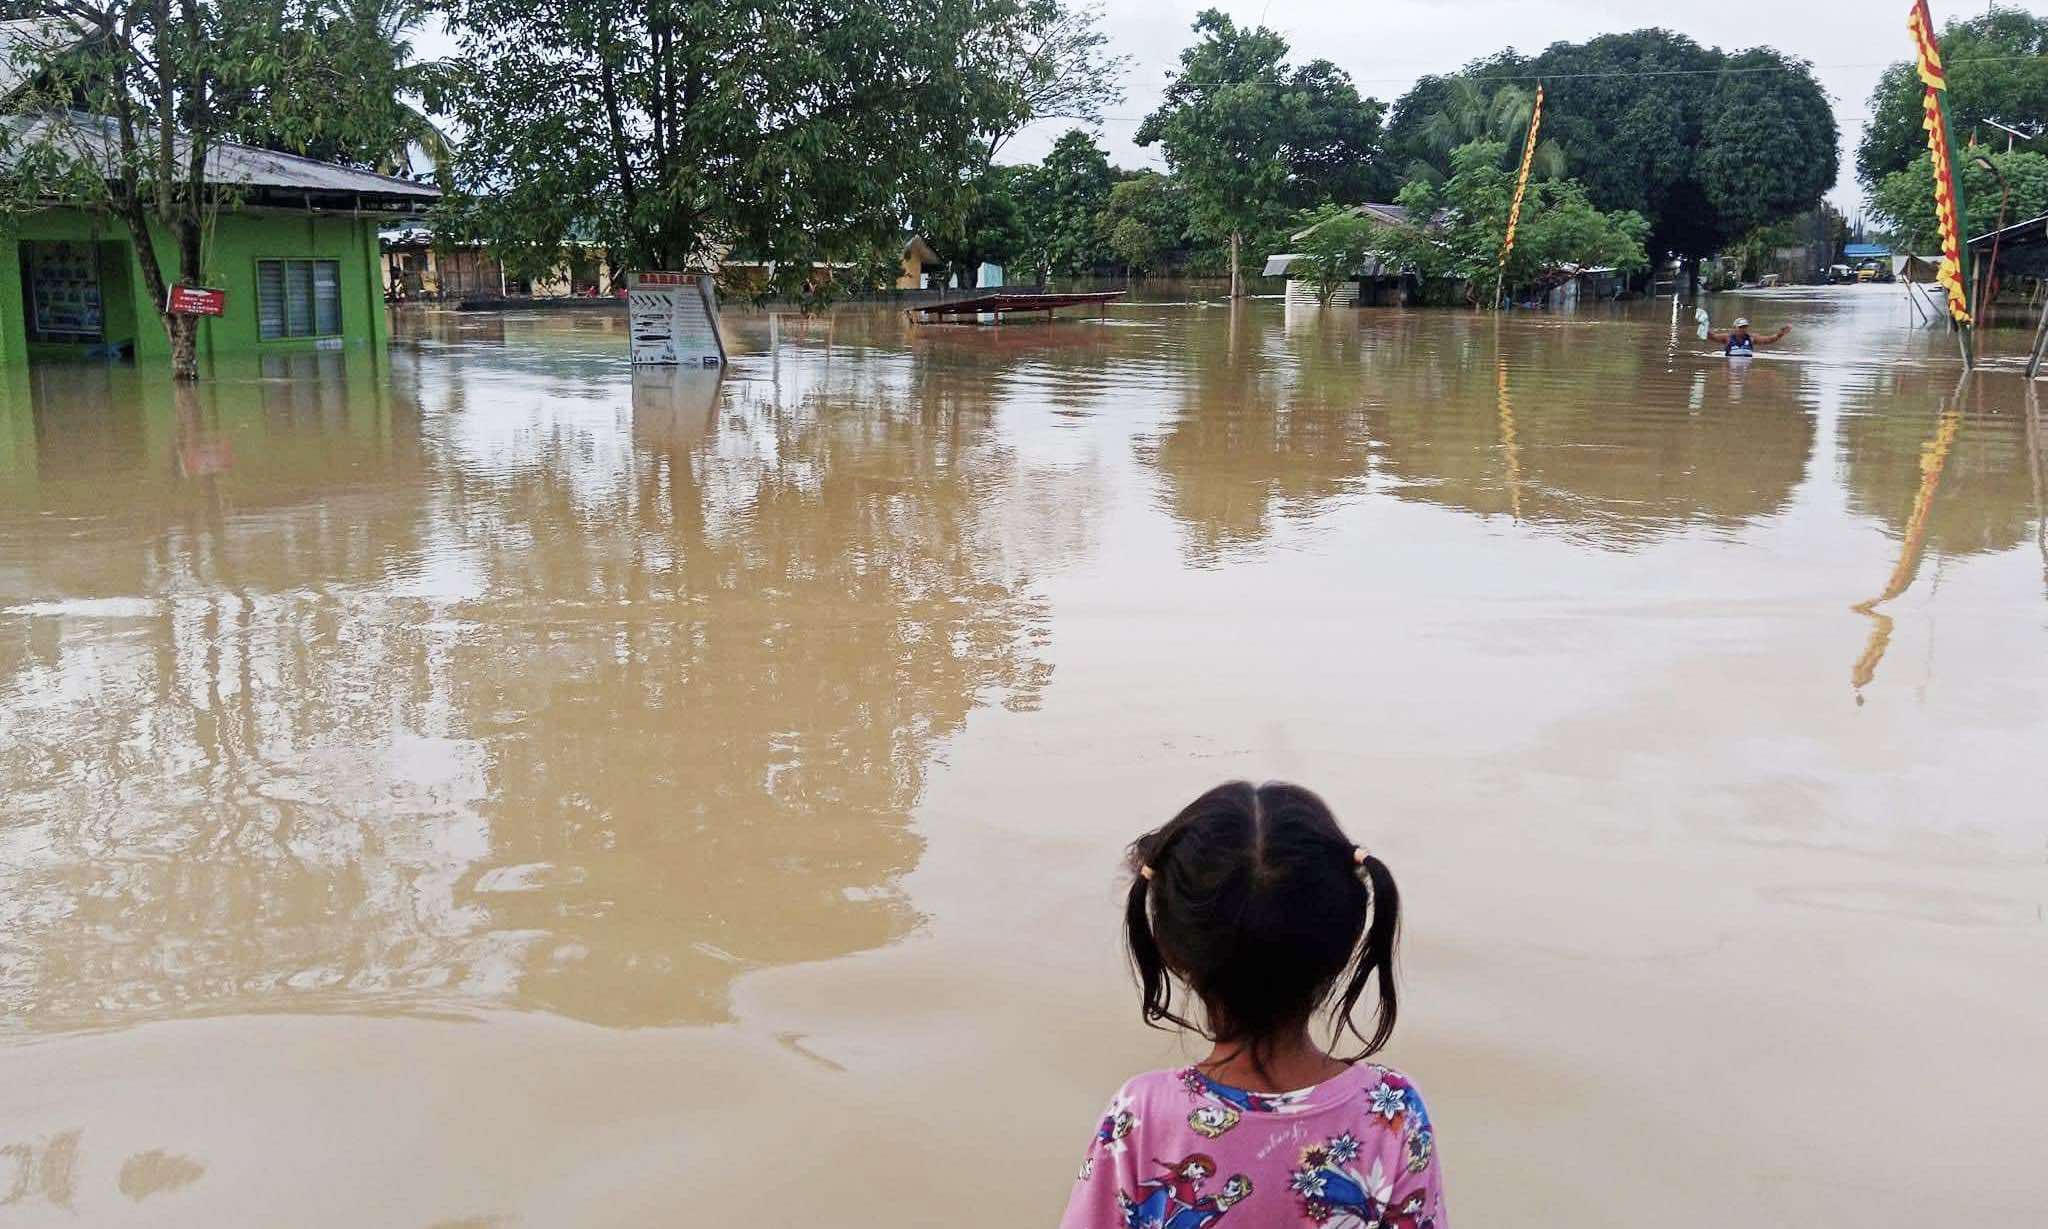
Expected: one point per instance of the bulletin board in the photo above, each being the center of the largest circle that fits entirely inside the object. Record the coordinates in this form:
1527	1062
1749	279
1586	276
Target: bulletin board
64	289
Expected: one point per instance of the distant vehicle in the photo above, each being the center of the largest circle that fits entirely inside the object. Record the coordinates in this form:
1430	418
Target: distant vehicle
1840	273
1866	274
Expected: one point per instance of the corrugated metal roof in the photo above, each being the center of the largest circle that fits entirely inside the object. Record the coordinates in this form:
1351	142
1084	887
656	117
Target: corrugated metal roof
94	138
1386	215
28	43
1278	266
1860	251
2014	231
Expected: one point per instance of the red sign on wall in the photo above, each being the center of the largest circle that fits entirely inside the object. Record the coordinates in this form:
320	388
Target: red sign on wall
197	301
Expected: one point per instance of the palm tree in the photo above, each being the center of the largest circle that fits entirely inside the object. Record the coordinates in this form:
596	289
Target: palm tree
365	107
1474	112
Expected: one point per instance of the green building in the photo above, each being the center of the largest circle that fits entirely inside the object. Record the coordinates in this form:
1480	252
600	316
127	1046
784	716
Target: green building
297	256
295	252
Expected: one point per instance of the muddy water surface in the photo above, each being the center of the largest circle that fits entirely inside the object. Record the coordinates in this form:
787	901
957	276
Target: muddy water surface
482	785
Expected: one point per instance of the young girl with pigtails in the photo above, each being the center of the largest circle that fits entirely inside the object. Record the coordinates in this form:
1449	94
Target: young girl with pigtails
1254	900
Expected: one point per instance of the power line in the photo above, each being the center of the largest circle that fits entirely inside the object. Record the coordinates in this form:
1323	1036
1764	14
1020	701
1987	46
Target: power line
1618	74
1655	72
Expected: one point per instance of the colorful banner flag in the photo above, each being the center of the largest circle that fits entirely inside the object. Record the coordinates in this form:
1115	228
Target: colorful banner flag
1522	180
1941	142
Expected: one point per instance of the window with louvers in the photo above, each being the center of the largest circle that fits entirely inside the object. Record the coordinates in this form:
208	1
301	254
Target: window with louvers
270	299
298	298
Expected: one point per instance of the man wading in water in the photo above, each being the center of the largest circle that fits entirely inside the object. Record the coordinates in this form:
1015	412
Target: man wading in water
1744	342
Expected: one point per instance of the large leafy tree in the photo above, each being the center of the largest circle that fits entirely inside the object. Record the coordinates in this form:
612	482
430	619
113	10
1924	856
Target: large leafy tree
1997	67
1904	199
994	229
1333	150
1145	222
1703	144
672	130
1060	199
1041	60
1756	163
1029	61
359	63
164	82
1252	139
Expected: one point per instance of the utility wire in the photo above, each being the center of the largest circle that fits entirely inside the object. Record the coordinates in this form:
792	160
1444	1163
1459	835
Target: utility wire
1654	72
1659	72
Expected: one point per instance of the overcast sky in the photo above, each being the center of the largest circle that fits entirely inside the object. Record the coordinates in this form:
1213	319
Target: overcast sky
1386	44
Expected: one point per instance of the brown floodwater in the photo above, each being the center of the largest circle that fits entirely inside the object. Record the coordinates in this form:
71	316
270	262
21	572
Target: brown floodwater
482	785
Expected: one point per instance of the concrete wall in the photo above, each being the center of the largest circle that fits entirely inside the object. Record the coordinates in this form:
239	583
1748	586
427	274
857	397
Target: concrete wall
239	241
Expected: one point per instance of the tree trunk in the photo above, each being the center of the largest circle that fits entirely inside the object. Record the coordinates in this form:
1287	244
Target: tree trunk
184	334
1236	283
1692	277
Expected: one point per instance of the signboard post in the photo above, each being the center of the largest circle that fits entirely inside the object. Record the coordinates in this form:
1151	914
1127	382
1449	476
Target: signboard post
673	319
197	301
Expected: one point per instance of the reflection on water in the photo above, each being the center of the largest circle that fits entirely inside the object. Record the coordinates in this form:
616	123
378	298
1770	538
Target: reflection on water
428	685
1933	462
1570	433
490	672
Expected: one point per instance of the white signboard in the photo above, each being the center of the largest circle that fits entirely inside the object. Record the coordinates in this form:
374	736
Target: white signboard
673	318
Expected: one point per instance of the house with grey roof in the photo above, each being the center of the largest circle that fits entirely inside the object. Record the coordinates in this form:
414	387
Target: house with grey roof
293	249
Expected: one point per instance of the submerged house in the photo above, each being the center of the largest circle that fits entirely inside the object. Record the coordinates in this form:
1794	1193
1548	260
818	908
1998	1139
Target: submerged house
420	265
294	248
740	271
1376	285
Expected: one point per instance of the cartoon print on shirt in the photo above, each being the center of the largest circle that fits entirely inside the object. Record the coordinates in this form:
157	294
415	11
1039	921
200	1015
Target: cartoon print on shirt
1115	1125
1213	1120
1209	1209
1244	1099
1174	1200
1189	1150
1117	1122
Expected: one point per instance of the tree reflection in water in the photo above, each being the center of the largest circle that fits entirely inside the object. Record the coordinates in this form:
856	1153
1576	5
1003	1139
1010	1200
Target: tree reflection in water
445	690
1544	422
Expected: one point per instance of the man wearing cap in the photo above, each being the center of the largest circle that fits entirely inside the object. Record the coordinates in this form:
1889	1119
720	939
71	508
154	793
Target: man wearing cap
1742	341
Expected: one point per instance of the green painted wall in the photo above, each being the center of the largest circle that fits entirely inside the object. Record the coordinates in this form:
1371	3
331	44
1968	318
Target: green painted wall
239	241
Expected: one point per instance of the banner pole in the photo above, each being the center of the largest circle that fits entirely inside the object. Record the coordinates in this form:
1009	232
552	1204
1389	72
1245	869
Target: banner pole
1507	245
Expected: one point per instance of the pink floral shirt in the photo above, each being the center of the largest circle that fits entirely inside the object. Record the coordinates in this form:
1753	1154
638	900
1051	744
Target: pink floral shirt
1177	1150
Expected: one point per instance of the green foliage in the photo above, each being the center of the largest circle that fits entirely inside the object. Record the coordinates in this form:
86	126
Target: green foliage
1471	109
674	130
1824	228
1559	225
1757	164
1039	60
1333	150
994	230
162	83
1060	200
1997	67
1252	140
351	101
1221	125
1145	222
1337	246
1904	200
1649	122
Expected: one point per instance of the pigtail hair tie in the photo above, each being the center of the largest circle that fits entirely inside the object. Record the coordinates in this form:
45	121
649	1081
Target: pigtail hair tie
1145	873
1359	854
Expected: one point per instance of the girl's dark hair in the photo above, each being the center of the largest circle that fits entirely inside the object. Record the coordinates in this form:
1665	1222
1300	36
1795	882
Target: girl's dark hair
1257	902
